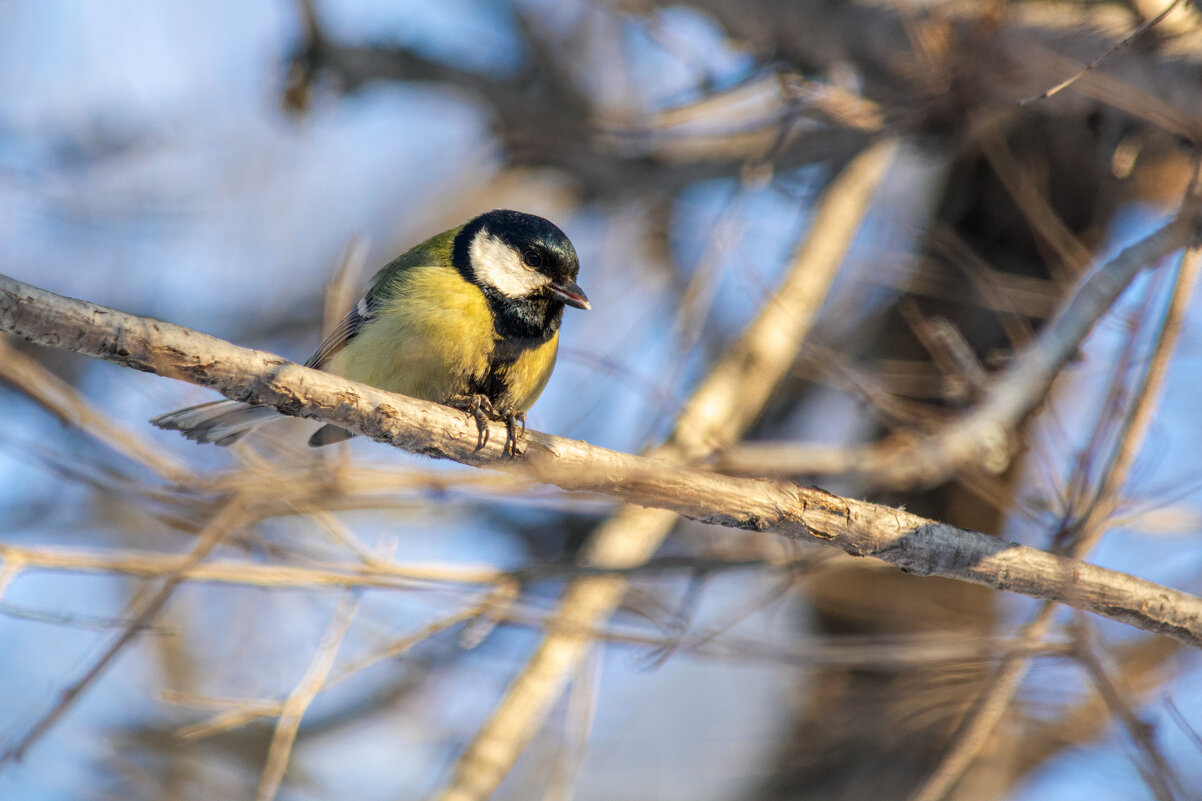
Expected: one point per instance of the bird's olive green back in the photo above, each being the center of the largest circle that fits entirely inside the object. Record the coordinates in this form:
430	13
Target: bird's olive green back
434	252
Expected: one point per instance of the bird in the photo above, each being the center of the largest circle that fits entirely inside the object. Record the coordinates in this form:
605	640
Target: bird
469	318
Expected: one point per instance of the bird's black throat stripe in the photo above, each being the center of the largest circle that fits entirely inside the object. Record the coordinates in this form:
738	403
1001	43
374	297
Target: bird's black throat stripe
494	384
523	323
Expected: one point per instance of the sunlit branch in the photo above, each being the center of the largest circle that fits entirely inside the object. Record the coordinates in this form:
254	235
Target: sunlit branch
909	541
978	729
982	437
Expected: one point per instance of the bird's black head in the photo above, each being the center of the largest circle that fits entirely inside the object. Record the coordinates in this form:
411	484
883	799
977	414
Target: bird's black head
525	266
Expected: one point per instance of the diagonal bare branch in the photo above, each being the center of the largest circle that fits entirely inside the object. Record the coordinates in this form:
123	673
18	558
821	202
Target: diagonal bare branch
65	402
982	437
1005	683
229	518
302	696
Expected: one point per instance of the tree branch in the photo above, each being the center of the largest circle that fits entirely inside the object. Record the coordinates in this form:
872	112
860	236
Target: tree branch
913	543
982	437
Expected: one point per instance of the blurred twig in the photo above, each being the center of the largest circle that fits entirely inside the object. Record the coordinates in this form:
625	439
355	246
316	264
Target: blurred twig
1186	728
240	712
305	691
1069	257
376	574
869	651
992	706
542	116
66	403
231	517
982	438
1133	428
1157	774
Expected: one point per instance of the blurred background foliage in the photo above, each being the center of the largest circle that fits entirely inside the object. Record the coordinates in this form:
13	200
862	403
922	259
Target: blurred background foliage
213	164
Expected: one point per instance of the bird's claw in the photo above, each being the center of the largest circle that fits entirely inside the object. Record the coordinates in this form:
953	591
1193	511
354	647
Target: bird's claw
512	418
481	409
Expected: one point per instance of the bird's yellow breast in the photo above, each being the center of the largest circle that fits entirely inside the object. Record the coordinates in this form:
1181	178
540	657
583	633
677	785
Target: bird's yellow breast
431	337
527	376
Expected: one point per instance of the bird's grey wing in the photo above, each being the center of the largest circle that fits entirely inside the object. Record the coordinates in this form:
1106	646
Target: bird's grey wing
345	331
335	341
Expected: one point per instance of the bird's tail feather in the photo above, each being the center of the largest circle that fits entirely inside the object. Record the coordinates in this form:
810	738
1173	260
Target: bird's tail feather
328	435
221	422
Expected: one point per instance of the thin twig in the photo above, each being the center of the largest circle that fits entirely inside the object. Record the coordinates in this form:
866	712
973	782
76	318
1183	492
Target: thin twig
66	403
1186	728
302	695
982	437
1134	426
1116	413
990	710
582	711
376	575
1156	773
1097	61
228	519
240	712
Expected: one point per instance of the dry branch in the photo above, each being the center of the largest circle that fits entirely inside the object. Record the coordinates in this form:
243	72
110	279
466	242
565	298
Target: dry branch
911	542
982	438
977	730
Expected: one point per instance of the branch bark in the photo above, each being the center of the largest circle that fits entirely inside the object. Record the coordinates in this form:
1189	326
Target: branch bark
908	541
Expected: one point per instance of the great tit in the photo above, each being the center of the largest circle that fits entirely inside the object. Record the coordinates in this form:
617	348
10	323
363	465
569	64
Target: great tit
469	318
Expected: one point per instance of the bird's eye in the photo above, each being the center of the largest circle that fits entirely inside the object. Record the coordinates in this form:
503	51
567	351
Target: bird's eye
532	259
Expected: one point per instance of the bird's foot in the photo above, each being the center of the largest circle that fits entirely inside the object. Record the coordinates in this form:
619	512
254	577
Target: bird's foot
513	418
479	407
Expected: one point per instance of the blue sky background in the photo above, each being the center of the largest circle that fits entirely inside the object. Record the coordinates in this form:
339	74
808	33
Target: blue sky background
146	164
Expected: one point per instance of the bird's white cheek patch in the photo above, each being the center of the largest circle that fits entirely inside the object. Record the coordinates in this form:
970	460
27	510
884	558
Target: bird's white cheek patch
500	266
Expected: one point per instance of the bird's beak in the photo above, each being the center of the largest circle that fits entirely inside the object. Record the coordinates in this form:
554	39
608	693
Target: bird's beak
571	294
